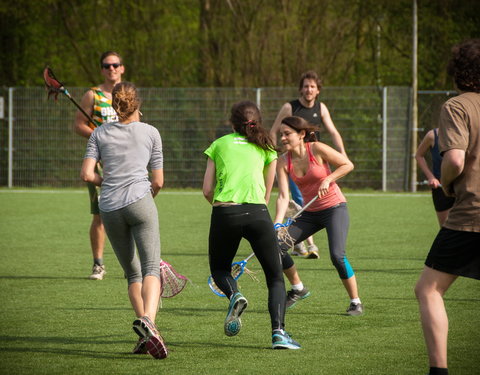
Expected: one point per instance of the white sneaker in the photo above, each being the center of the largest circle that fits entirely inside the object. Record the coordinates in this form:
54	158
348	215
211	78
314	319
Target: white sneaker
312	252
299	249
97	272
312	247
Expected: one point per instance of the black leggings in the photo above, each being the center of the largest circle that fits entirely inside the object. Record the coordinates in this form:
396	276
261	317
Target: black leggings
250	221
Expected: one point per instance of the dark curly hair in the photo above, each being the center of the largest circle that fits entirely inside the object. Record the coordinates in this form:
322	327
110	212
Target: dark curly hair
464	65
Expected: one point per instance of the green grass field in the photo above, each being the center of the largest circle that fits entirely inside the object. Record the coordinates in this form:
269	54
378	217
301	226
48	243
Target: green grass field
55	321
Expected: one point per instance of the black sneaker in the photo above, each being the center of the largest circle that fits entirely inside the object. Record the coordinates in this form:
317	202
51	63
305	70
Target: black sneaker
355	309
293	296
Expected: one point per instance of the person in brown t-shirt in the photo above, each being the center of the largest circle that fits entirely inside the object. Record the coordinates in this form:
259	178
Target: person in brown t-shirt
456	250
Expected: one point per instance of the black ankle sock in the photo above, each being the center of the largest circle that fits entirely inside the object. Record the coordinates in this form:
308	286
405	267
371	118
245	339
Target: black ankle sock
438	371
98	261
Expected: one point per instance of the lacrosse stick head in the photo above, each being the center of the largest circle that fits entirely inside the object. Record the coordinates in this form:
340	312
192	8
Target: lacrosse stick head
285	237
52	84
238	268
214	287
237	271
172	282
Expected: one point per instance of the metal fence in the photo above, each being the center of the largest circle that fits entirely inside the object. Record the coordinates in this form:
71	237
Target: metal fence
39	148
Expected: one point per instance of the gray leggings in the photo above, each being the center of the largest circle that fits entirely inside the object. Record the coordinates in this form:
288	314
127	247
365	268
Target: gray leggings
336	221
137	224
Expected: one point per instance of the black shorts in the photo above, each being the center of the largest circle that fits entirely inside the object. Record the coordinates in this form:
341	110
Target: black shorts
456	253
440	201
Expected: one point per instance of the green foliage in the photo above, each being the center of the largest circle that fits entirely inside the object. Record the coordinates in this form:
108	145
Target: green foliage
55	321
234	43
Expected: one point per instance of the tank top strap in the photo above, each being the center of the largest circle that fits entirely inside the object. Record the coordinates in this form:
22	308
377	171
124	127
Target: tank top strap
311	157
289	162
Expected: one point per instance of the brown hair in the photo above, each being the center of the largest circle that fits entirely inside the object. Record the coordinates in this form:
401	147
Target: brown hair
109	53
247	120
125	99
464	65
310	75
298	124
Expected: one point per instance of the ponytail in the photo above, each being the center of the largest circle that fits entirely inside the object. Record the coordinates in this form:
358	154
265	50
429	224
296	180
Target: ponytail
246	120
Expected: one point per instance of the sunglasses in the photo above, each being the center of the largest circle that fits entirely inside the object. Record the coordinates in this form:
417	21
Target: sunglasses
107	66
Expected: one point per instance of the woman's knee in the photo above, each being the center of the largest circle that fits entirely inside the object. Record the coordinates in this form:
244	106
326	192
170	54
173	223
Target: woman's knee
341	263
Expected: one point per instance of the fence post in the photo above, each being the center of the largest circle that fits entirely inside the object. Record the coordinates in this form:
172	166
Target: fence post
384	139
10	137
413	143
259	96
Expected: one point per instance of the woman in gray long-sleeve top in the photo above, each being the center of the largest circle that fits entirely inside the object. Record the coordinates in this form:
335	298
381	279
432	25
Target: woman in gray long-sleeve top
126	149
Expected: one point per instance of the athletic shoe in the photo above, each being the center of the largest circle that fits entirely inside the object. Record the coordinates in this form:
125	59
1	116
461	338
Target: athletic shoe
140	346
281	340
311	248
233	323
300	249
147	330
312	252
355	309
156	347
97	272
293	296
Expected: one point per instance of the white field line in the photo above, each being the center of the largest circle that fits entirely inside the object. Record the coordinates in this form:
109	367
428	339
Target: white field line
84	191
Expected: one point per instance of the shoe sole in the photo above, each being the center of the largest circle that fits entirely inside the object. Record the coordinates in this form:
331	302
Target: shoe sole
142	329
140	348
233	323
286	346
96	277
313	255
156	348
299	299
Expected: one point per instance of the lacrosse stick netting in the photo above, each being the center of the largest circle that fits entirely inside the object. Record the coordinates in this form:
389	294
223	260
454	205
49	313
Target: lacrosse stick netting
282	229
238	268
172	282
54	87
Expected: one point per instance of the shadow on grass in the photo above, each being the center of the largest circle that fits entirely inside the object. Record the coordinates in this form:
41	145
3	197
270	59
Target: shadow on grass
17	277
412	271
28	345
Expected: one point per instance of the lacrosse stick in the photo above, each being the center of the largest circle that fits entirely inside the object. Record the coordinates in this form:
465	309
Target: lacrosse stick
282	229
54	87
238	268
172	282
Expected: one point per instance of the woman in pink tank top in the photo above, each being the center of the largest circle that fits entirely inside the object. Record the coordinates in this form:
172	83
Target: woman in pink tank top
307	162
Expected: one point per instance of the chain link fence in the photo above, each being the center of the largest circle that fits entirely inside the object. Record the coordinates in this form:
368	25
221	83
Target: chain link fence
39	148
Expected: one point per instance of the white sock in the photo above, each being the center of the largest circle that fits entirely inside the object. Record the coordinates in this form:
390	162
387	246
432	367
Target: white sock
355	300
298	287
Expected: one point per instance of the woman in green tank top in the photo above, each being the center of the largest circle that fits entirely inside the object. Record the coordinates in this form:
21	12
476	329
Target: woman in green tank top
238	181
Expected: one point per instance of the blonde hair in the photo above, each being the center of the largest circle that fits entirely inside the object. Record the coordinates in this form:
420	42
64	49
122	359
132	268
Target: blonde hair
125	99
